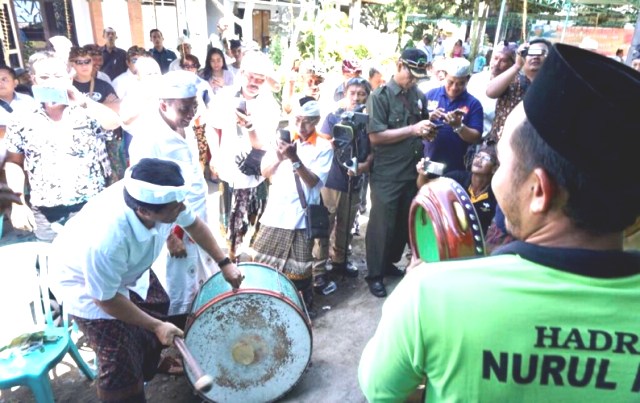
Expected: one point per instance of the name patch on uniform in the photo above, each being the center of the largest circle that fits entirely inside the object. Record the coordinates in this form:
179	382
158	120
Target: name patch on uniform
553	366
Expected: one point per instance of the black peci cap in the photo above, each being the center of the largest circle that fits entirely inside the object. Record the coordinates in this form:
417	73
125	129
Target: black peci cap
585	106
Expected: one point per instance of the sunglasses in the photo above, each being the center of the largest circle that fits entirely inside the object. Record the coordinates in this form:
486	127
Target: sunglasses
421	63
81	62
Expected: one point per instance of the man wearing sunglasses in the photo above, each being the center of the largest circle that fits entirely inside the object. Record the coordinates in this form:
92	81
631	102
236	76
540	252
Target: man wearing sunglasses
398	121
127	80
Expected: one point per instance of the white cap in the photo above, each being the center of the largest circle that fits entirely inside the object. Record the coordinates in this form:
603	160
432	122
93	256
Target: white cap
183	40
178	85
458	67
309	109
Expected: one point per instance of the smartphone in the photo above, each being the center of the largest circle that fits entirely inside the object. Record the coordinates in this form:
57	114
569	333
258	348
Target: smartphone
285	135
242	107
50	95
437	125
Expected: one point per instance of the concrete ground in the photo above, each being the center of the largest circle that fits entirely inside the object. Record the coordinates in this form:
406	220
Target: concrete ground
346	320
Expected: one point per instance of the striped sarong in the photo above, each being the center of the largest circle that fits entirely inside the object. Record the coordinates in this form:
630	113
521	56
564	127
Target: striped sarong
288	251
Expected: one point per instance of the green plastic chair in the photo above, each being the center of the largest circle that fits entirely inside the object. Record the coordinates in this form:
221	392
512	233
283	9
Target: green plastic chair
25	305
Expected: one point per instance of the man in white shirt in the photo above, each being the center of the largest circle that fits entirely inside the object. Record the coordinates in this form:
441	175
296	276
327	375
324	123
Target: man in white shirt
247	118
281	241
104	250
10	100
127	80
182	267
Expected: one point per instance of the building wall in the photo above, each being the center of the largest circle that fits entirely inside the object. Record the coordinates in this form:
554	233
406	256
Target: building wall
115	15
82	19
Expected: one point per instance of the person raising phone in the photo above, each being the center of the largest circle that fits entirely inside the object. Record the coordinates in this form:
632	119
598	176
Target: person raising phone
459	112
61	146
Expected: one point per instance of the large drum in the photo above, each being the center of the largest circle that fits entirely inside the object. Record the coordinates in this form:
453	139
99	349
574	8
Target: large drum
255	342
443	224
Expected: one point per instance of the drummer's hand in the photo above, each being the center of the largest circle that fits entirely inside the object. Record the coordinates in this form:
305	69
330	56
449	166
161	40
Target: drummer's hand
166	332
232	274
176	247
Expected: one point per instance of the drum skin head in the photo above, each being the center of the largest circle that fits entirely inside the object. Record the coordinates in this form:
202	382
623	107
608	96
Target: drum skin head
255	342
443	224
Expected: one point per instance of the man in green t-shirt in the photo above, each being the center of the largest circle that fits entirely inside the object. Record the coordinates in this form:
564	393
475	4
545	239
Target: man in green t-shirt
552	316
397	122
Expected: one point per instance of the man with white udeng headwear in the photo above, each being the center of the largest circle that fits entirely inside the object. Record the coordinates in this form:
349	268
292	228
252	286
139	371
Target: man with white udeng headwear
282	241
166	133
104	250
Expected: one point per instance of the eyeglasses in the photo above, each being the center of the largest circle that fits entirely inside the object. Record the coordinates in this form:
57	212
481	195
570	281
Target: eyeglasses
484	157
81	62
421	63
189	66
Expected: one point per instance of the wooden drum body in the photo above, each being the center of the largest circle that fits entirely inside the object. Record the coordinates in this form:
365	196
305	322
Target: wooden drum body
443	224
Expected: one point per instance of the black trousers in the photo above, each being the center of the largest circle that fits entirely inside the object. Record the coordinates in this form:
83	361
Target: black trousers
388	228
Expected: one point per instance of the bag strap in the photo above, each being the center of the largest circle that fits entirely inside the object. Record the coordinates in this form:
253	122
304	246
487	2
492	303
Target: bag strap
303	200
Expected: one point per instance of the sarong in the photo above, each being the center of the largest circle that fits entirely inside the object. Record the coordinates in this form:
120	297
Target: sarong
288	251
128	355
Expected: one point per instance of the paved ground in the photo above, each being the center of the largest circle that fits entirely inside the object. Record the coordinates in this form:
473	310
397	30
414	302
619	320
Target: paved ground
346	320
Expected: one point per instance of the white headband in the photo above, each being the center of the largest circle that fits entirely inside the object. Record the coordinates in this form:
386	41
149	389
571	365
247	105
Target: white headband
153	194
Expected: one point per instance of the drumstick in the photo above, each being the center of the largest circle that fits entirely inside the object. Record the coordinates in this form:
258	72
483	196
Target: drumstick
203	381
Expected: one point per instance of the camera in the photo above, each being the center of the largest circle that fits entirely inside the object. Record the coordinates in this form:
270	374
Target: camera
524	51
531	52
432	167
346	141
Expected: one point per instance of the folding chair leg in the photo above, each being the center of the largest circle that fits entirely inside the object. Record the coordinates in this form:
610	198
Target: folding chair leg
41	388
82	365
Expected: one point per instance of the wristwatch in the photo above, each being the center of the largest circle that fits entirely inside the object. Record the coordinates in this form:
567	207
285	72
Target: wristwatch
458	129
296	165
223	262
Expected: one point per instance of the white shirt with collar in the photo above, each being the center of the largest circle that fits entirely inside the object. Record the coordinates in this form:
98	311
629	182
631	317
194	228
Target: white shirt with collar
104	250
20	103
180	277
283	208
124	83
264	114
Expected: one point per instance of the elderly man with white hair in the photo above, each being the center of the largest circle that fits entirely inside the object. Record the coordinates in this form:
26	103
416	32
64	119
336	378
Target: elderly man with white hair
459	115
296	167
100	255
247	117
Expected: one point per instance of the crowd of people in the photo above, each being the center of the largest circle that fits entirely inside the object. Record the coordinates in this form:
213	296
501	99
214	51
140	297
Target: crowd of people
115	165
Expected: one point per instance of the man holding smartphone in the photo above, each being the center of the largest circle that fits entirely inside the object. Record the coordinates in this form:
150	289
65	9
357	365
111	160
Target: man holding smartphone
459	113
247	119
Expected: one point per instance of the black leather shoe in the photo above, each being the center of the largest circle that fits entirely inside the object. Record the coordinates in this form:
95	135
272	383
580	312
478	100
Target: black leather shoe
377	288
393	271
